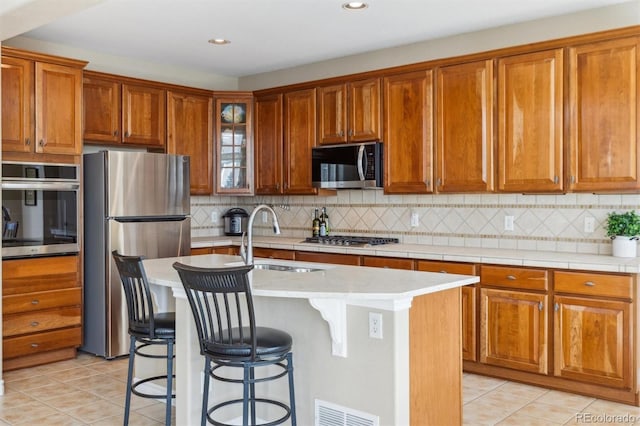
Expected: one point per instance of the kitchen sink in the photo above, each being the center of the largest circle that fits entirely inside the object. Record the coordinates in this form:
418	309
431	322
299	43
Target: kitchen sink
284	268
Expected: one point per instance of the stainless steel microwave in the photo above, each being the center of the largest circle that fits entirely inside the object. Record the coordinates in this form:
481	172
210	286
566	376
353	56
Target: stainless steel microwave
347	166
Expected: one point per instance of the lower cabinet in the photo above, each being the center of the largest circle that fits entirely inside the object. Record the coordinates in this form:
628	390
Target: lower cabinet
513	329
593	326
41	310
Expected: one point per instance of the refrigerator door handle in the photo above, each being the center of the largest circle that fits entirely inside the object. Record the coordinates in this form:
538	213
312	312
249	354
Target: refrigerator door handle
149	219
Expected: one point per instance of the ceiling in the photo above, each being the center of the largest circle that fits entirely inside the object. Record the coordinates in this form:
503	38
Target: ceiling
268	35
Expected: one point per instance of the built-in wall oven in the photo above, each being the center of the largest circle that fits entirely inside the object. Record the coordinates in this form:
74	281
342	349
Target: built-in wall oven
40	212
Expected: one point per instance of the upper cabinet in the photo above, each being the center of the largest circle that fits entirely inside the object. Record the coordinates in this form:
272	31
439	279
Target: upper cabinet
299	139
118	110
408	132
190	132
349	112
234	174
464	150
530	101
603	116
41	104
268	144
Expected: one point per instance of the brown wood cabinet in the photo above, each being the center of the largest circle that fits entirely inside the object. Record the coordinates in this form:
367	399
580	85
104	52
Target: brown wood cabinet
270	253
408	132
530	122
41	306
335	258
604	128
190	132
464	149
593	326
388	262
121	110
513	318
268	142
233	136
299	139
41	104
349	112
469	301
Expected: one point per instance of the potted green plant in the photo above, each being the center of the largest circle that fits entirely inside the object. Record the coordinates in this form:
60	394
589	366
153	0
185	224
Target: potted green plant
624	229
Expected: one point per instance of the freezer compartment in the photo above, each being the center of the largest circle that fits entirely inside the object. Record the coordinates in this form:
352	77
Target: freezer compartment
106	320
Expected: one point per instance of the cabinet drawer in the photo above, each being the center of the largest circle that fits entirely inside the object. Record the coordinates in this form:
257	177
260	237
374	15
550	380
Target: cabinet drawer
41	342
334	258
41	300
520	278
387	262
273	253
32	322
40	274
593	284
447	267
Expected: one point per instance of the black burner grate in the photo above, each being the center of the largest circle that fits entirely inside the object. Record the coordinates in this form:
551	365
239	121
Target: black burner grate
348	240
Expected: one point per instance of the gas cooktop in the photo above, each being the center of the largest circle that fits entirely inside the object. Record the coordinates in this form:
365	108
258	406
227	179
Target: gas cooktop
349	240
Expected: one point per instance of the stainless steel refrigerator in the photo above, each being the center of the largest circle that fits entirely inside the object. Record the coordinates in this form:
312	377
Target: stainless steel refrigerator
137	203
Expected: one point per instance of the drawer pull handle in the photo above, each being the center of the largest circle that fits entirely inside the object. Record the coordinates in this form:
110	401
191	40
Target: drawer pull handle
443	272
35	345
590	284
35	324
511	277
35	301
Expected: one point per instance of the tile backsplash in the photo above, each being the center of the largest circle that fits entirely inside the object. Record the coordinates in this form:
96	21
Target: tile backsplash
540	222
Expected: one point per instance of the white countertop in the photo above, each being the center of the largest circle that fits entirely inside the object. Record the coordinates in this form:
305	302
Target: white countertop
544	259
352	284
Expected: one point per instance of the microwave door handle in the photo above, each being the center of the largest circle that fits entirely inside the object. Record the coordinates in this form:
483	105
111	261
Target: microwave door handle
360	157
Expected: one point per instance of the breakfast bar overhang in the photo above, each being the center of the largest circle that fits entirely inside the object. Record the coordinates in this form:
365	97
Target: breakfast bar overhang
410	376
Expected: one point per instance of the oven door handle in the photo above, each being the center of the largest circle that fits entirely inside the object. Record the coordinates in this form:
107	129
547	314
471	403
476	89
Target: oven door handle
47	186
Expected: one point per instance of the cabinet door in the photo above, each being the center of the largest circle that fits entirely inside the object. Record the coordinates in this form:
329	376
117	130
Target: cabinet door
464	150
268	144
513	329
530	102
143	115
408	132
364	110
102	119
469	301
593	341
190	132
17	105
332	114
603	116
299	139
58	97
234	169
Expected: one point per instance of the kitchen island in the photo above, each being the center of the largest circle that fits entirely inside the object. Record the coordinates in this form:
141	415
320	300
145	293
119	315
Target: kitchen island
412	375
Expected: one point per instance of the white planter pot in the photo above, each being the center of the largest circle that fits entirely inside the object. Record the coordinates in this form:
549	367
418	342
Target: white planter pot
625	246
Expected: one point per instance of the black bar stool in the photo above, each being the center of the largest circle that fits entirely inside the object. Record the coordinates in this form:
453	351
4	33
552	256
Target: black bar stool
146	328
218	298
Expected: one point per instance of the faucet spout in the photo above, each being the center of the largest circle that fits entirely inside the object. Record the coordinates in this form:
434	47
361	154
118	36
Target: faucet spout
248	252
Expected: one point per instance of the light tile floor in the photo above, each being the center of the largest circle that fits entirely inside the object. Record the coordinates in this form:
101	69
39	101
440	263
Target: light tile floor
90	391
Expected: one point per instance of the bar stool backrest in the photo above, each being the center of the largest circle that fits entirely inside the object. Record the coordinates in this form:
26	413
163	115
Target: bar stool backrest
222	307
137	293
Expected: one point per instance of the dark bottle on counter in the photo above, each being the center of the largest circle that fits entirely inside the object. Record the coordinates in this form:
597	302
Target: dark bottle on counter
316	224
324	223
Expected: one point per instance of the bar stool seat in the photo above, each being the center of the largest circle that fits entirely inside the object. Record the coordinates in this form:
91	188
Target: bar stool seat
222	307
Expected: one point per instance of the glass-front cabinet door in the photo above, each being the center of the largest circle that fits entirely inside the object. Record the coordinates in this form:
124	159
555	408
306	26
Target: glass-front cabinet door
233	144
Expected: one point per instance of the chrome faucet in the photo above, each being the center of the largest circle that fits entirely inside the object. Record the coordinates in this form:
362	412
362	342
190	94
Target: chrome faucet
247	252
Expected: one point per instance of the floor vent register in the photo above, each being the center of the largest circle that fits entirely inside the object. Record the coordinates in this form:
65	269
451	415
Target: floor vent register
328	414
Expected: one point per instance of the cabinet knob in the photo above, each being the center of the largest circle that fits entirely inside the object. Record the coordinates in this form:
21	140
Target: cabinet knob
439	182
42	142
350	132
540	306
572	179
590	284
35	301
35	324
511	277
115	133
27	142
277	186
556	179
556	307
126	134
35	345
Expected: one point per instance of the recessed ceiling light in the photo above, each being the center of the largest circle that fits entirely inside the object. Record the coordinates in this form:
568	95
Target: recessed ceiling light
355	5
219	41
